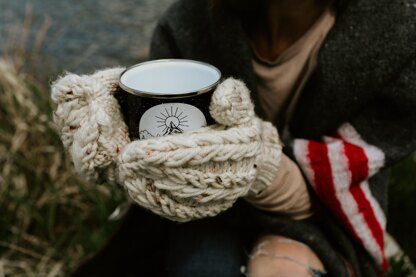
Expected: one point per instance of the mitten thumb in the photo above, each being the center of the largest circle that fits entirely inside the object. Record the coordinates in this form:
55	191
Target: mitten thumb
231	104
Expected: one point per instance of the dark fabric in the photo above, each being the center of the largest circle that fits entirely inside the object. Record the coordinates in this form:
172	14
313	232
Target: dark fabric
138	248
204	247
365	76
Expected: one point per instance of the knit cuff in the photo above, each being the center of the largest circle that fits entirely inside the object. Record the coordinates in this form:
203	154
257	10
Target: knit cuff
268	161
287	194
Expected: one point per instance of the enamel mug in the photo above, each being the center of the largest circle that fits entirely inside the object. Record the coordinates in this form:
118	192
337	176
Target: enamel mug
169	96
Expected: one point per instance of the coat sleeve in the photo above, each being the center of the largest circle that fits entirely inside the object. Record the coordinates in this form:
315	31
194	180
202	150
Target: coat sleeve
339	166
163	44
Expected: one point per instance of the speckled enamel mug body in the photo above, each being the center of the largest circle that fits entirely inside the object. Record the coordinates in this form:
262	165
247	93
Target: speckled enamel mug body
163	97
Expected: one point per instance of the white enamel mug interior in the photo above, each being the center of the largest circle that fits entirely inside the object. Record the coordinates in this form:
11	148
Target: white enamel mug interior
170	77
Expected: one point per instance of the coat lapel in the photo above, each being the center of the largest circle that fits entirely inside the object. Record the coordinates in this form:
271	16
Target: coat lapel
354	65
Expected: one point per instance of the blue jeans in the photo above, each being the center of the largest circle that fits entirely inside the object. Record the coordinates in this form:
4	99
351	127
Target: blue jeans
204	248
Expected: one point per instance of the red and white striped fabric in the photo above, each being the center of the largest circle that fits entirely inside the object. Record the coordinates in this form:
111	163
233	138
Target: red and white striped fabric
338	169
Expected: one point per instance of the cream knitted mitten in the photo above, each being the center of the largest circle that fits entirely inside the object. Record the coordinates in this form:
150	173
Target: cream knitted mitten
182	177
89	121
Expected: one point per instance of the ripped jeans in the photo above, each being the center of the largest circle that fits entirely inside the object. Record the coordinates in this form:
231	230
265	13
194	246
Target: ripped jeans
207	248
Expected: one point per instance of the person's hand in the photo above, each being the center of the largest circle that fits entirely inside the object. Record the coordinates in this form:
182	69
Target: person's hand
89	121
183	176
203	172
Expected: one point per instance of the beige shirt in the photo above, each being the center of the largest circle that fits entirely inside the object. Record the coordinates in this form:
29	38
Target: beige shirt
280	83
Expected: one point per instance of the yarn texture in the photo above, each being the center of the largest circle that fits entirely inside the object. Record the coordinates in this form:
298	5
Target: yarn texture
181	177
90	123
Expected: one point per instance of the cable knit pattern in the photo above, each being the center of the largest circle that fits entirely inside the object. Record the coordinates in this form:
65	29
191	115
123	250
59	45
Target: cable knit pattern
90	123
181	177
232	106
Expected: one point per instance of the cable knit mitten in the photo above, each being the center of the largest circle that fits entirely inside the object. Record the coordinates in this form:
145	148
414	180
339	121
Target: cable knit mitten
90	123
181	177
201	173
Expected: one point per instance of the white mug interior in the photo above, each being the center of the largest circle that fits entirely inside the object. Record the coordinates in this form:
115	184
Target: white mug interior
171	77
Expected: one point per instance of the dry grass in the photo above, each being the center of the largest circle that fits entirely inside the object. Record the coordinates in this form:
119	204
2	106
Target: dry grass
50	219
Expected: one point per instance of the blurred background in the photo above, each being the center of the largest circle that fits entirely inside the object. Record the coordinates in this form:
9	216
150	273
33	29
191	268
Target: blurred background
50	220
80	36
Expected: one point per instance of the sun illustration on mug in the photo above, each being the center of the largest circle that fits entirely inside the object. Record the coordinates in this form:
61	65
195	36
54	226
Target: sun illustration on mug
172	121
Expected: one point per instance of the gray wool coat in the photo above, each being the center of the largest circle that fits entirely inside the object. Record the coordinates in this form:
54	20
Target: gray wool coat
366	75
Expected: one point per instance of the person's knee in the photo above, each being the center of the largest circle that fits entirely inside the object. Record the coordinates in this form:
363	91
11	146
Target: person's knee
279	256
